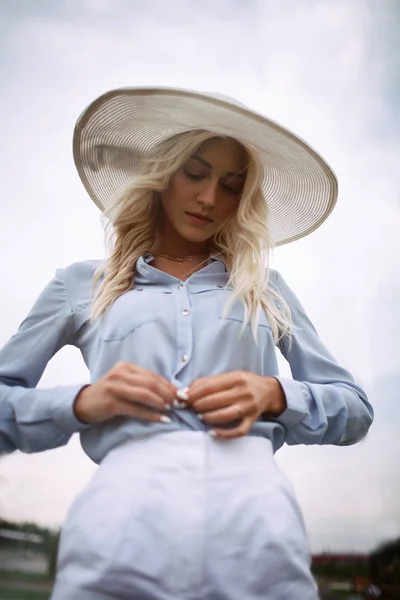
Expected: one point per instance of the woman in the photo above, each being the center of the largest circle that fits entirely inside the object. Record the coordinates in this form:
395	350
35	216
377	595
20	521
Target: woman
178	328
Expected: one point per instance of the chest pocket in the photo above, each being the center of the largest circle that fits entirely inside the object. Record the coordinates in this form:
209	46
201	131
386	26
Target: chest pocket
236	311
135	308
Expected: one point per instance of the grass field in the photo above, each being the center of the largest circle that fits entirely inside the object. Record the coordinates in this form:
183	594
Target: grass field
24	586
17	594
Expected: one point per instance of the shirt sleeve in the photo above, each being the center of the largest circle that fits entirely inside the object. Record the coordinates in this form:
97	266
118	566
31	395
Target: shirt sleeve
32	419
324	405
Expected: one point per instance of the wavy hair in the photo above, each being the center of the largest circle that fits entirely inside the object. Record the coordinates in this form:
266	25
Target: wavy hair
244	242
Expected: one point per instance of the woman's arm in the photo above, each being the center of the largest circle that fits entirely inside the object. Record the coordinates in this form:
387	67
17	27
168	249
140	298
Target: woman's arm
324	405
31	419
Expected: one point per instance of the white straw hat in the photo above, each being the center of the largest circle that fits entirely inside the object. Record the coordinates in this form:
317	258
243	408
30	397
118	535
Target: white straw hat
124	124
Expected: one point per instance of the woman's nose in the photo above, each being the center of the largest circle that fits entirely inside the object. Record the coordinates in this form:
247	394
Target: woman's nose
208	193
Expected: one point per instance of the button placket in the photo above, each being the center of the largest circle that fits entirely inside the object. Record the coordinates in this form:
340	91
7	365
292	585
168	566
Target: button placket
184	349
184	328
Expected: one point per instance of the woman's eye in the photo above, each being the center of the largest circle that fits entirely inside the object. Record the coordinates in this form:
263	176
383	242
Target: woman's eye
193	176
231	190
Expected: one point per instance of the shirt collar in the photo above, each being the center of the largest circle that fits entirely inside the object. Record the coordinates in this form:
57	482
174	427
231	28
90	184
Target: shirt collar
147	272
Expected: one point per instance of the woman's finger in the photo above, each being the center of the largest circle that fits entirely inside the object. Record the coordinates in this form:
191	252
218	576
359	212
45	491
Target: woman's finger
141	413
233	432
140	376
214	401
154	382
162	387
232	413
205	386
129	392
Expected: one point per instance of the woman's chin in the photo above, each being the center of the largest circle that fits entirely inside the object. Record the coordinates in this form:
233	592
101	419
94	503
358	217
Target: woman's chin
195	236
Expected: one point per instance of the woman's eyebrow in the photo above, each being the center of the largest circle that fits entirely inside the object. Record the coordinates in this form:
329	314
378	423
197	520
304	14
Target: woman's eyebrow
207	164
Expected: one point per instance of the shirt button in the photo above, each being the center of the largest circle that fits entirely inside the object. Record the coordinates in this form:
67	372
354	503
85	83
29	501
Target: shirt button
180	286
184	357
185	312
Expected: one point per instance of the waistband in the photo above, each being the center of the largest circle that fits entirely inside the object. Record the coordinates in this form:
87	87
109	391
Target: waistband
191	450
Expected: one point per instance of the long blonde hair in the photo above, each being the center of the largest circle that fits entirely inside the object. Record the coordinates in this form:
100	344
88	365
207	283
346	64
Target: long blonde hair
244	243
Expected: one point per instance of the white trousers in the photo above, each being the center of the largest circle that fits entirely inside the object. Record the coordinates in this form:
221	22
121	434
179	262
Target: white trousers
183	516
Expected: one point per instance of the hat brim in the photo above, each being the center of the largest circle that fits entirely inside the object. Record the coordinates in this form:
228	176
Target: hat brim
123	125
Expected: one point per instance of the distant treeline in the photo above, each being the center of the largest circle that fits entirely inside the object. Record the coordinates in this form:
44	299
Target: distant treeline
381	566
33	537
385	564
27	527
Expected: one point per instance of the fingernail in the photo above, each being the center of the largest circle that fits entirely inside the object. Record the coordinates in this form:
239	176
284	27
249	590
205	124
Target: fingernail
212	432
182	394
179	404
168	407
165	419
200	417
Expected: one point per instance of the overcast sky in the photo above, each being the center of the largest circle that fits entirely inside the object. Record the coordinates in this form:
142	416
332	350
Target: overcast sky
327	69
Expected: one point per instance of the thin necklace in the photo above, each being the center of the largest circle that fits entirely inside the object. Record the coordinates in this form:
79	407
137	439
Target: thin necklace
182	260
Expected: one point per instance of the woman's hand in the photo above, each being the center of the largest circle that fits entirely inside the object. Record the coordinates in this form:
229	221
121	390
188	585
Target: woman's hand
237	396
127	390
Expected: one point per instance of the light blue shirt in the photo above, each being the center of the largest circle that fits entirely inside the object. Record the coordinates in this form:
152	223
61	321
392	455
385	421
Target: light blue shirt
177	329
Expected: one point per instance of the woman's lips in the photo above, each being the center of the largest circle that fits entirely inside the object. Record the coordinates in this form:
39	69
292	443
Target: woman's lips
198	219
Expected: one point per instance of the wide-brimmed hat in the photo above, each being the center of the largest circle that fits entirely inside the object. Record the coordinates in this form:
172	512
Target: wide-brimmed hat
120	127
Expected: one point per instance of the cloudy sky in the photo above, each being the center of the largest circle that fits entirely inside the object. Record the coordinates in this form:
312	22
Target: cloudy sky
327	69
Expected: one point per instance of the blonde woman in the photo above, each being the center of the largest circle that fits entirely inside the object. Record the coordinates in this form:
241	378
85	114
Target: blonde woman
178	327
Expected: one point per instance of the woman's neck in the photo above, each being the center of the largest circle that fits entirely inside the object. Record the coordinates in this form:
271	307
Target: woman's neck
178	247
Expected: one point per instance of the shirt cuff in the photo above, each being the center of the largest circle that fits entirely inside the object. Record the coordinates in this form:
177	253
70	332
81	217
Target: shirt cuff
63	409
296	394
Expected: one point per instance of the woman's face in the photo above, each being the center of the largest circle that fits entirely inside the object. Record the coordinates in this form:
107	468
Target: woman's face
206	190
